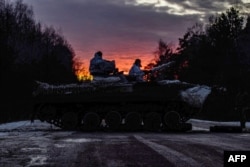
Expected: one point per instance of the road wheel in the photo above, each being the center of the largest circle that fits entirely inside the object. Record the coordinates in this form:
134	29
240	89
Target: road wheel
47	113
133	121
172	120
69	120
91	121
186	127
113	120
152	121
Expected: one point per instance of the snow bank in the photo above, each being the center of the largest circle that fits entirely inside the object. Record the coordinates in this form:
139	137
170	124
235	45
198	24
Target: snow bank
25	125
205	125
41	126
219	123
13	125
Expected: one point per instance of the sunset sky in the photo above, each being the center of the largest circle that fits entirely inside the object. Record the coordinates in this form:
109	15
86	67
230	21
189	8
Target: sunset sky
124	29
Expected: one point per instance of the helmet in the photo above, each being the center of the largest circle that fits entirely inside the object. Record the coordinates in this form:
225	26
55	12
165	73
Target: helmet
138	62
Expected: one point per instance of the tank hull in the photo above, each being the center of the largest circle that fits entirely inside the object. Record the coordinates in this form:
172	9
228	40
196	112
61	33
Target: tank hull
137	106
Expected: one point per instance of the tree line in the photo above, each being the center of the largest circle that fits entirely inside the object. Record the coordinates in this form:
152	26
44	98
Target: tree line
216	53
30	51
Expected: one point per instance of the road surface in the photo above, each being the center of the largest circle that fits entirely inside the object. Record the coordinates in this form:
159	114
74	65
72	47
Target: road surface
38	144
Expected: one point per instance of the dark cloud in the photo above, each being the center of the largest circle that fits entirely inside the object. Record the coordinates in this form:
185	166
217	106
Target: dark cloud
123	27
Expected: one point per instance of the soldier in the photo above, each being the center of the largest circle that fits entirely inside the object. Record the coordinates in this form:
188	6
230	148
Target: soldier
101	67
136	71
104	68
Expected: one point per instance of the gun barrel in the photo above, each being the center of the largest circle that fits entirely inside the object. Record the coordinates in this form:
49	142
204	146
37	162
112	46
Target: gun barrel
163	66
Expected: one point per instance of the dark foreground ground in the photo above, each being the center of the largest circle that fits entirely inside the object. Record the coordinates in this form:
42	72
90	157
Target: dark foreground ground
25	144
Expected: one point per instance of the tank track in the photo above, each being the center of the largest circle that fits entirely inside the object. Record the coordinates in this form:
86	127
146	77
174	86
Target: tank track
125	117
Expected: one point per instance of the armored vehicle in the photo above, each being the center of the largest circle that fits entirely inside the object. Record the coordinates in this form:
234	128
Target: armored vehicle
107	104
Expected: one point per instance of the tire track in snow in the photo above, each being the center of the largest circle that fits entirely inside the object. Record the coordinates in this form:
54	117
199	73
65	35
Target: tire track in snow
171	155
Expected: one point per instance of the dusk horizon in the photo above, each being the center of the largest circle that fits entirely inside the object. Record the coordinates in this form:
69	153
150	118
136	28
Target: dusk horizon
126	29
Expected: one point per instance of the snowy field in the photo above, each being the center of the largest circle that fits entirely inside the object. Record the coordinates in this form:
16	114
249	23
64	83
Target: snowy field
38	125
40	144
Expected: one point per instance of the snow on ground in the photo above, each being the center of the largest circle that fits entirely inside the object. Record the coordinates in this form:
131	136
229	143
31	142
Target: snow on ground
25	125
30	142
38	125
205	124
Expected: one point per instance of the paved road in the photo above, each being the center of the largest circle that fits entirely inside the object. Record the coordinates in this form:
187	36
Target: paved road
46	147
148	149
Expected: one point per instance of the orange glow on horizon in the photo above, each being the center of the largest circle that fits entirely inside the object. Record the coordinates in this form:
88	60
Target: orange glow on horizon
80	71
124	55
123	63
84	76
